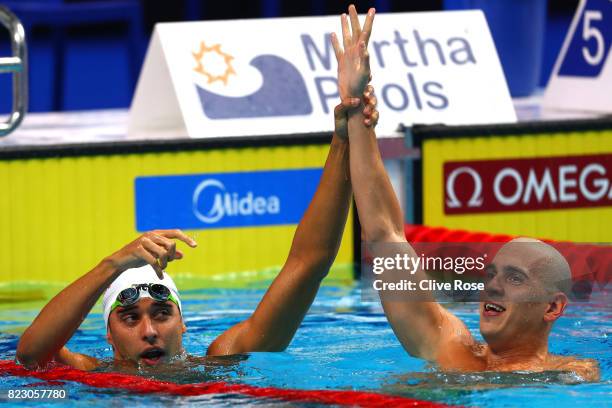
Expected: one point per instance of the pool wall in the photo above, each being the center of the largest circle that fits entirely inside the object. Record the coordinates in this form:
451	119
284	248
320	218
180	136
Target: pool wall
575	206
66	207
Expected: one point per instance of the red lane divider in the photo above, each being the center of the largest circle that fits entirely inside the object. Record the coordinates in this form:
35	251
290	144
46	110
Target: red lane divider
149	386
587	261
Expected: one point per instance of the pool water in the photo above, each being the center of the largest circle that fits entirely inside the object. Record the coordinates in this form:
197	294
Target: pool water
343	344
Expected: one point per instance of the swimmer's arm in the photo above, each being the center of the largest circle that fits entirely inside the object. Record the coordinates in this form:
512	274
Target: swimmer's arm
76	360
60	318
587	369
314	248
416	324
424	328
427	330
590	371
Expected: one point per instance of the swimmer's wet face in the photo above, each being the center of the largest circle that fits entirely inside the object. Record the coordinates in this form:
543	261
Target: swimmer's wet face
522	298
146	332
143	316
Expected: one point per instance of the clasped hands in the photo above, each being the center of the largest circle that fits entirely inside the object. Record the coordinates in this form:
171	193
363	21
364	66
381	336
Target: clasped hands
354	72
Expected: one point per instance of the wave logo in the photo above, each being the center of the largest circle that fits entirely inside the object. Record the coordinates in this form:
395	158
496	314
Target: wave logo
230	204
283	90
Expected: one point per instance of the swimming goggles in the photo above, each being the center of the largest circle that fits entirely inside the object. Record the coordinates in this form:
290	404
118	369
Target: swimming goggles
131	295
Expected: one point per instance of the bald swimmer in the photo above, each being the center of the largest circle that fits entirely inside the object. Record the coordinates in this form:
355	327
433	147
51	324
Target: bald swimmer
526	285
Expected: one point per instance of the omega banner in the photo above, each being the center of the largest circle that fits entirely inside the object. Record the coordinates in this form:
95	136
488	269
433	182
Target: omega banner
528	184
545	181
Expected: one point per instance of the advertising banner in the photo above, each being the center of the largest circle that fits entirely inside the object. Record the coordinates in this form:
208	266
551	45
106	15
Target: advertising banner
582	76
209	79
553	183
545	183
221	200
241	205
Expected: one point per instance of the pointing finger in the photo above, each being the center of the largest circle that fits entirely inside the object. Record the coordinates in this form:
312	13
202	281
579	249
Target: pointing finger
178	234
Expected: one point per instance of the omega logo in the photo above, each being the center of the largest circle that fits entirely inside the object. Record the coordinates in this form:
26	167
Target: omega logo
475	200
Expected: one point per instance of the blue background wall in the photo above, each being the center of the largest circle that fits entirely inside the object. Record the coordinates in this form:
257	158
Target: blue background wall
96	69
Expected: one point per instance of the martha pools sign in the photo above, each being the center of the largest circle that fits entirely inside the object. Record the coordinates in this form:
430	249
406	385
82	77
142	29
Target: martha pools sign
278	76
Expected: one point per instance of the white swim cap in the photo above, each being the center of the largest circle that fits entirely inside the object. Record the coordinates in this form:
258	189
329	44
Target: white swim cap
144	274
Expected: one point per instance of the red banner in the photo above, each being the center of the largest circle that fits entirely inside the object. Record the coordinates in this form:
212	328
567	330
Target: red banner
527	184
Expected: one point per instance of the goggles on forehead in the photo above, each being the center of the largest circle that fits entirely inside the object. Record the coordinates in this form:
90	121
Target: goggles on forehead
156	291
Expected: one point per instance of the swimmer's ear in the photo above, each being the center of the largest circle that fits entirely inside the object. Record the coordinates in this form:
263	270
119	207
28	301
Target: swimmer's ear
109	337
184	328
556	307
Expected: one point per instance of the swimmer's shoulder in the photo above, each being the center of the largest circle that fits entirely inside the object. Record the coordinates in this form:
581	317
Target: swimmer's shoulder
463	359
459	350
586	368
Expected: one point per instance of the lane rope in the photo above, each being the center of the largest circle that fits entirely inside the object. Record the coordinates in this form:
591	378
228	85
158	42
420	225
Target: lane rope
149	386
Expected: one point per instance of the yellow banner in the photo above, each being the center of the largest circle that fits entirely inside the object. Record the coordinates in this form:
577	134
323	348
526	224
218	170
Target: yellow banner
61	216
528	204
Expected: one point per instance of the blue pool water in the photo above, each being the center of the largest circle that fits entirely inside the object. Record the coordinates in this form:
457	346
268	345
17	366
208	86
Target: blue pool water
343	344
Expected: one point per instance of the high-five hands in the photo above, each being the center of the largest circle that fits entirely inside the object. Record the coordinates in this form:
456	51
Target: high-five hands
353	59
370	114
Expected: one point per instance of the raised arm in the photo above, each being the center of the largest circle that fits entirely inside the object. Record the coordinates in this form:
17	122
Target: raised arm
314	248
422	327
45	338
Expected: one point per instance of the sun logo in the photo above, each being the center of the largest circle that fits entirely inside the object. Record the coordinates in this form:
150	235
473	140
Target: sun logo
217	61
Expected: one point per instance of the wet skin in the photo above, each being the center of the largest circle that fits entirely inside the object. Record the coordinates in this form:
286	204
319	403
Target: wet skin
147	332
517	312
515	305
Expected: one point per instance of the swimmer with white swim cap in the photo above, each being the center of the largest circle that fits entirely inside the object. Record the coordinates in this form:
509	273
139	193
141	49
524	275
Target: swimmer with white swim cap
525	292
142	307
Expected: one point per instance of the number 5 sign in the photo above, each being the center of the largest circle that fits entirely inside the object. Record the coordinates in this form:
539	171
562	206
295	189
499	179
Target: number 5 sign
582	76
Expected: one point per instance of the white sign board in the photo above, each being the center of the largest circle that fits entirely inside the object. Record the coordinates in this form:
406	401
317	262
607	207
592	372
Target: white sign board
278	76
582	76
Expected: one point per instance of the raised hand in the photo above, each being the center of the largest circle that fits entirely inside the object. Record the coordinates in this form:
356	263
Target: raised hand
369	112
353	59
155	248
